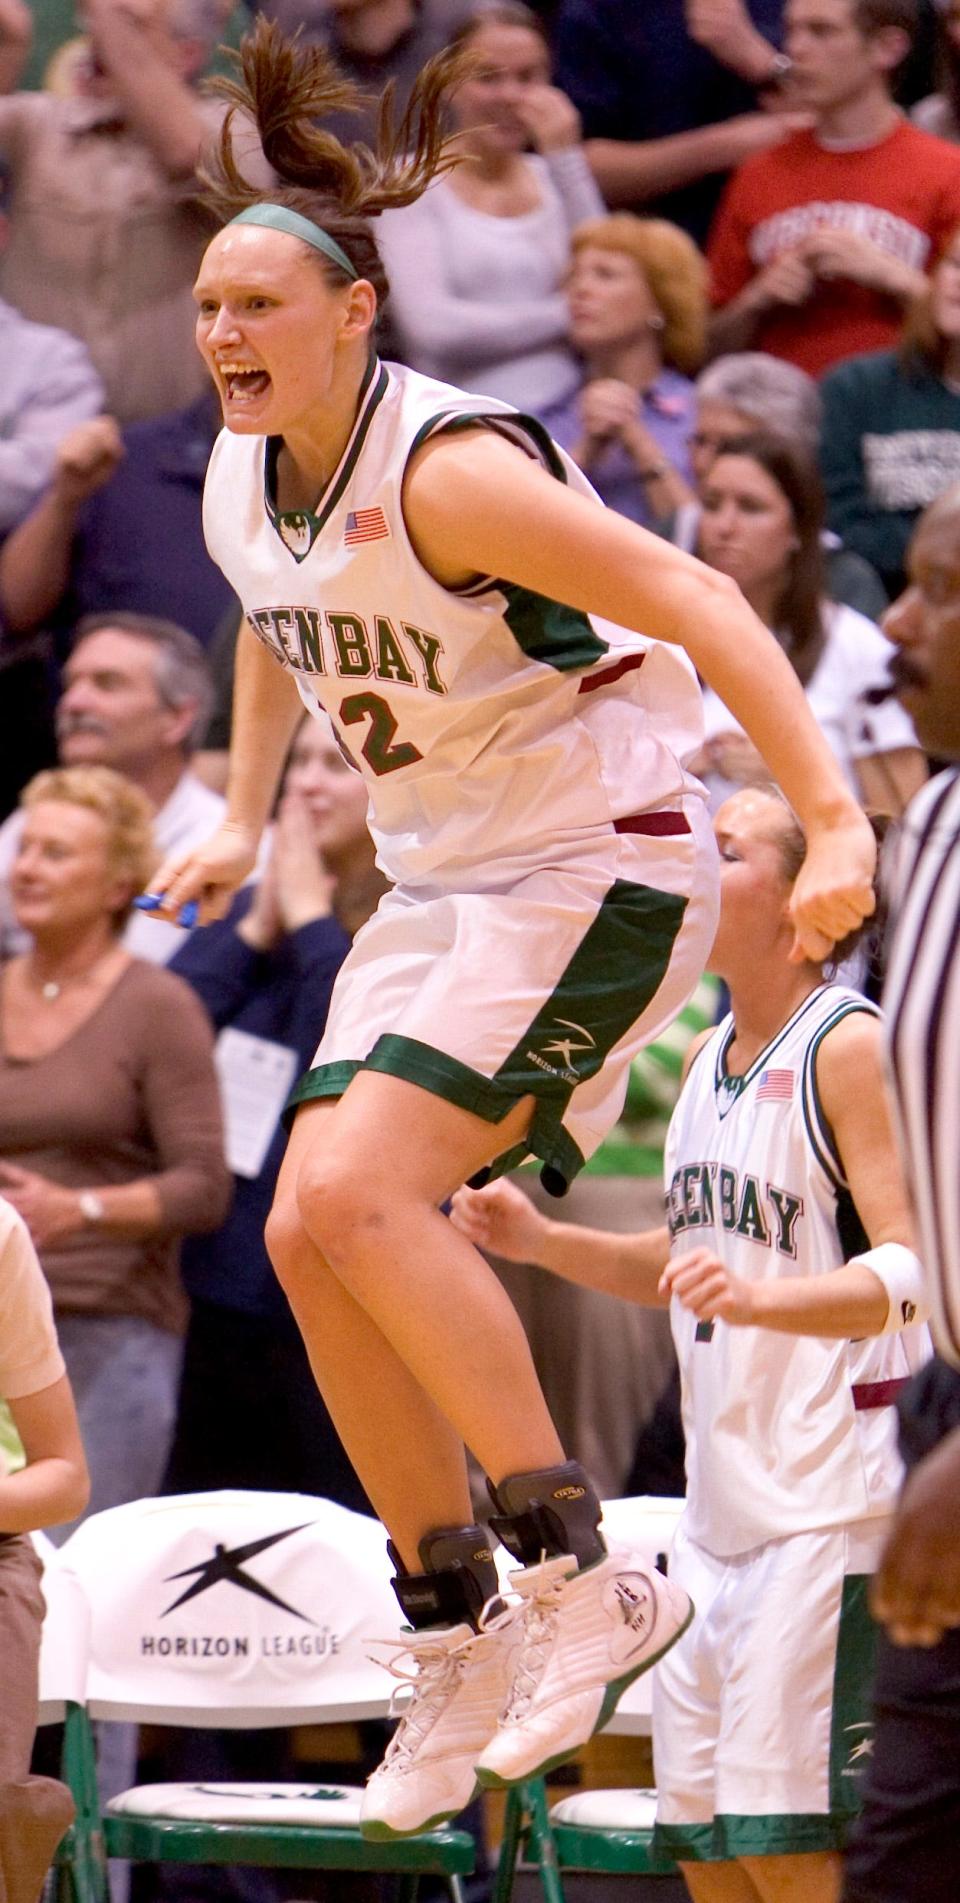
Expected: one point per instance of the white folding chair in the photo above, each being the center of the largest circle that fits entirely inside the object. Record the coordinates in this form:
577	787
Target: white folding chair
240	1610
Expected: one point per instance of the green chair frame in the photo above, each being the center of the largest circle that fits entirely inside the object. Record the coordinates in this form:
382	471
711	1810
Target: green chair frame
552	1847
80	1865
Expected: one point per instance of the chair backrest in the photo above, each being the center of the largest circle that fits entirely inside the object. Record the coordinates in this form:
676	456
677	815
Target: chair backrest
234	1609
646	1523
64	1638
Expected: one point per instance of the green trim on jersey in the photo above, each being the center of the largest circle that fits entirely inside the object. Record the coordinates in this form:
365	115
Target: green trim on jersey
300	523
822	1140
851	1726
545	630
609	981
549	631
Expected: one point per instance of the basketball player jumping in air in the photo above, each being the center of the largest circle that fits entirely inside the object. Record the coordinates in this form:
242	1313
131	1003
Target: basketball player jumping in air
427	567
795	1296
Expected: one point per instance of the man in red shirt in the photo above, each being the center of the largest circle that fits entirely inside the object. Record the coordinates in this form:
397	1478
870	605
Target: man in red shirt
819	245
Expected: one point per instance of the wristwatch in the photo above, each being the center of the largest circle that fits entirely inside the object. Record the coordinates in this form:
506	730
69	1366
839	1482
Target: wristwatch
92	1207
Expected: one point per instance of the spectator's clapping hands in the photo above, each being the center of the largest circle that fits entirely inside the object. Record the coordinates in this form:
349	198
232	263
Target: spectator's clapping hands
87	457
789	280
304	887
49	1210
833	254
500	1219
608	409
551	119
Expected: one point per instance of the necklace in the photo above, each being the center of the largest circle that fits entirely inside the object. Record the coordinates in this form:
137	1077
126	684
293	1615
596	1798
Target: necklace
53	988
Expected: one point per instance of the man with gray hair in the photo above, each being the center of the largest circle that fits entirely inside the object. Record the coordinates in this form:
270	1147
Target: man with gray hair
137	697
104	235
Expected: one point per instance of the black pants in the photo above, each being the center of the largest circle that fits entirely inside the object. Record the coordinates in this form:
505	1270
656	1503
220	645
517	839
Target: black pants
906	1846
249	1414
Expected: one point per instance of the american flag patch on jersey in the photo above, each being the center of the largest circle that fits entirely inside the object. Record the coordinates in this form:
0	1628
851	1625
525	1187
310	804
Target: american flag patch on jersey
365	525
775	1086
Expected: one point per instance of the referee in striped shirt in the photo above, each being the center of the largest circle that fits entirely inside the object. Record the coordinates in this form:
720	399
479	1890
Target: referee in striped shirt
907	1844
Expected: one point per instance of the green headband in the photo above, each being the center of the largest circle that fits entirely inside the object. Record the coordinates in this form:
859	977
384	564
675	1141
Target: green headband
280	218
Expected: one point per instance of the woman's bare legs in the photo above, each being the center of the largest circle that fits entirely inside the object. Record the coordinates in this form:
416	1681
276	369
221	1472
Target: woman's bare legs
718	1883
414	1343
813	1877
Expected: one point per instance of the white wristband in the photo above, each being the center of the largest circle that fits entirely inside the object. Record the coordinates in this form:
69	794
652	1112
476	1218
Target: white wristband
901	1273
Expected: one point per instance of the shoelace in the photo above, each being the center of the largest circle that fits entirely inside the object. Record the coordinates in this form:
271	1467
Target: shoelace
436	1673
539	1613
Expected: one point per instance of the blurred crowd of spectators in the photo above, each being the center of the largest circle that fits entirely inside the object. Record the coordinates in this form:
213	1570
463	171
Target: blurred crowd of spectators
714	247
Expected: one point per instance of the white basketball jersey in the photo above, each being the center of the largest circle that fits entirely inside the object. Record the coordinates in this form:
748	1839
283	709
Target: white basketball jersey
484	721
775	1445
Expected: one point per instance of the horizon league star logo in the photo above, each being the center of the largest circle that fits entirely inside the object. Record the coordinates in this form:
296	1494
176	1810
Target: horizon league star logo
228	1567
579	1039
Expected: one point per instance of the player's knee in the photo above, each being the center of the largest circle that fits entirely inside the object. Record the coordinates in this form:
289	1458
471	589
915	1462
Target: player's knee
340	1206
285	1238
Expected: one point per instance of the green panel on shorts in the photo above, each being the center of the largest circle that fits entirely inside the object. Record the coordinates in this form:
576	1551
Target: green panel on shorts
851	1729
781	1834
675	1843
326	1080
617	968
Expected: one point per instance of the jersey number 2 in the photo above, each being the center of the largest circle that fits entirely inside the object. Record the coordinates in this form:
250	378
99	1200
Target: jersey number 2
378	749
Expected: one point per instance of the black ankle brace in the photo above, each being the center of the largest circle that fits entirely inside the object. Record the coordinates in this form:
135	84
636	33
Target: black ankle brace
458	1578
553	1511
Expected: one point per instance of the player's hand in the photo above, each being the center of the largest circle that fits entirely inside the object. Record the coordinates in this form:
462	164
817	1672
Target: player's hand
833	893
87	457
499	1219
916	1592
551	119
704	1284
207	876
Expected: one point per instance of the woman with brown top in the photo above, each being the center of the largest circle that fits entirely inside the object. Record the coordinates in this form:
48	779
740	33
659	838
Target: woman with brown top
110	1134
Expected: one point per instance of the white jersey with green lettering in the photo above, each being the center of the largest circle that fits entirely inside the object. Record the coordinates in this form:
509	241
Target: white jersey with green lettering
785	1433
485	721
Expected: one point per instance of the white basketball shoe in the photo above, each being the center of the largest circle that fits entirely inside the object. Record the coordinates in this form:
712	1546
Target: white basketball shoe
460	1681
585	1637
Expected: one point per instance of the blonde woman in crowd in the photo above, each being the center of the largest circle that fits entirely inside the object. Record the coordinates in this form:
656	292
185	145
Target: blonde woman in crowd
110	1137
637	293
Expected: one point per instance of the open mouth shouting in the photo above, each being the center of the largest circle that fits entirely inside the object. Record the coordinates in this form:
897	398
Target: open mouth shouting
243	382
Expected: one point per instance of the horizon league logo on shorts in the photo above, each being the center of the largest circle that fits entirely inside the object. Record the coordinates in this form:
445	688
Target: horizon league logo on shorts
225	1574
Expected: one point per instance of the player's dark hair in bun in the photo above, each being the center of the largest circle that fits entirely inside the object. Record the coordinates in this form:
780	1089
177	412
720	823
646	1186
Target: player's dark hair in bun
287	88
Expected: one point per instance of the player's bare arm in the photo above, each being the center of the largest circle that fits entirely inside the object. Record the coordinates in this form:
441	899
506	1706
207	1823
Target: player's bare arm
266	710
469	502
502	1220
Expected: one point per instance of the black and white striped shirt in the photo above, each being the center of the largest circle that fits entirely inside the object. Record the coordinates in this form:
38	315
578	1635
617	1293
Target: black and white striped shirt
922	1004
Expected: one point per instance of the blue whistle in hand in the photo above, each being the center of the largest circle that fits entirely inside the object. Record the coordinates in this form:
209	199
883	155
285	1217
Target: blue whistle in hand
151	902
